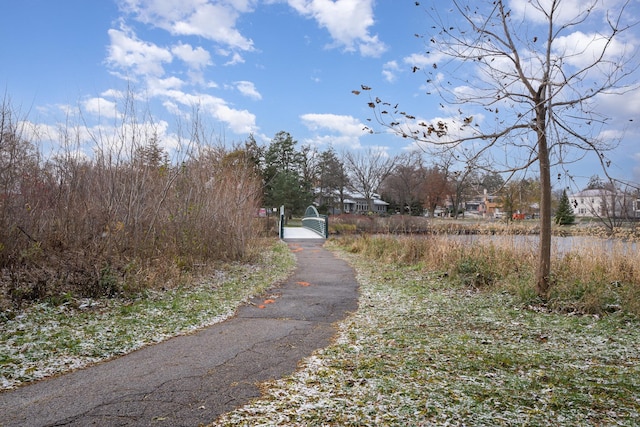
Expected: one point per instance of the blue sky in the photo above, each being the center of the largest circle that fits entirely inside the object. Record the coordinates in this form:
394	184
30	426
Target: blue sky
252	66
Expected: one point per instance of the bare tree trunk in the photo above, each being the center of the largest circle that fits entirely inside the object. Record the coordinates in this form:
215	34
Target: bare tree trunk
544	263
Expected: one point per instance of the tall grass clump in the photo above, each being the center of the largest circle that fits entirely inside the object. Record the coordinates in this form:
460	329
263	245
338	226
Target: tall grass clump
597	279
589	279
389	249
111	212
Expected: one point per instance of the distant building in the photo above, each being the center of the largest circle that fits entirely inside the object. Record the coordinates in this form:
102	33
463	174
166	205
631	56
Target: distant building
595	203
485	205
355	202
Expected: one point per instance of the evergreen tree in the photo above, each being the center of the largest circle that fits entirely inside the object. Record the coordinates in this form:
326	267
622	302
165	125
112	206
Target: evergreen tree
564	214
332	181
285	183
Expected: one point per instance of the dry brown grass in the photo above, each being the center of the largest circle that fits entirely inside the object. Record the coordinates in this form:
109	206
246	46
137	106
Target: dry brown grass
409	225
120	222
591	278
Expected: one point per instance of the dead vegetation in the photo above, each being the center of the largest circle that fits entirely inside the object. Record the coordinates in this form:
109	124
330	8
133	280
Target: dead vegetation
129	217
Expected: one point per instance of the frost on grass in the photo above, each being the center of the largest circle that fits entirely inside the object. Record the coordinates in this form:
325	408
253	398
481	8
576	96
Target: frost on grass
45	340
419	352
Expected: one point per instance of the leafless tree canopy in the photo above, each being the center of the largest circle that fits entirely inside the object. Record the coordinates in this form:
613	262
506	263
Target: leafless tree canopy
367	170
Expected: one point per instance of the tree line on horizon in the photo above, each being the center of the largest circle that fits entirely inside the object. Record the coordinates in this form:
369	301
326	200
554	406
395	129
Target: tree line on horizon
413	183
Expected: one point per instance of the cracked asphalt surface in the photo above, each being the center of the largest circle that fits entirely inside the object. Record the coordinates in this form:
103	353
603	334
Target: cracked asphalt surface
191	380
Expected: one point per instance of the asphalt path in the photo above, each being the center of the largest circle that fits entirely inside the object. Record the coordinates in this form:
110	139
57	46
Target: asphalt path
191	380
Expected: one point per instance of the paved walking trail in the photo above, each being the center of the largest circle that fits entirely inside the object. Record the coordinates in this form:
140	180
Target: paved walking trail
191	380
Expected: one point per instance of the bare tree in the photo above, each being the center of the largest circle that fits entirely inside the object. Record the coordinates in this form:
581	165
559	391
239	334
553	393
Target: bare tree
367	169
529	98
435	188
404	182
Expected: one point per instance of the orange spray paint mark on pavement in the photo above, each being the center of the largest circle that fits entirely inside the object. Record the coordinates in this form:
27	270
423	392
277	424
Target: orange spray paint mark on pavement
303	283
266	302
295	247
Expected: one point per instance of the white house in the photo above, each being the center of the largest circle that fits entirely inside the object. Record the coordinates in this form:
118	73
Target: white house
595	203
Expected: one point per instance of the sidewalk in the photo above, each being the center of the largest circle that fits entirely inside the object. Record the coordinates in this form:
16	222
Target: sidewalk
191	380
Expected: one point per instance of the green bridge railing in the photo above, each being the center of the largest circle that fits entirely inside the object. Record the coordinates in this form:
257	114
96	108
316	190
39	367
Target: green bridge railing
312	220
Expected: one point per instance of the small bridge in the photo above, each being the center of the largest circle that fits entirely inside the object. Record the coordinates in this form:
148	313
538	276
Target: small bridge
314	226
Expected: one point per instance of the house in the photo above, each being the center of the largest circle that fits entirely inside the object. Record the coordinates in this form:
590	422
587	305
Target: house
357	203
354	202
596	203
486	205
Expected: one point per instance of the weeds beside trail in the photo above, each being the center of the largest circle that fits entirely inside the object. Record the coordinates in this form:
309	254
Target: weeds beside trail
47	339
586	280
424	350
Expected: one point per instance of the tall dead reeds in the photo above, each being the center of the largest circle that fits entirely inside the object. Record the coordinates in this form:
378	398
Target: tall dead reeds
589	278
127	216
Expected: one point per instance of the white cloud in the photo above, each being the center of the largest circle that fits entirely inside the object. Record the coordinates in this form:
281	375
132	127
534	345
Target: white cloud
567	10
236	58
371	46
582	50
347	21
159	86
40	132
239	121
248	89
101	107
197	58
611	135
214	21
173	108
334	130
126	51
389	71
347	141
423	61
119	139
346	125
112	93
579	48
